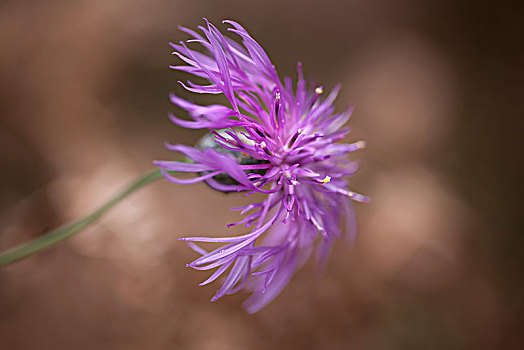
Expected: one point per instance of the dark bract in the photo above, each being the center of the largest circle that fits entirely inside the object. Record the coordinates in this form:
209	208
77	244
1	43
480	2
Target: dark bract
208	142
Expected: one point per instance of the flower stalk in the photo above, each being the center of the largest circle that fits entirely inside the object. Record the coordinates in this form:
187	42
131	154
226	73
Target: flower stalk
25	250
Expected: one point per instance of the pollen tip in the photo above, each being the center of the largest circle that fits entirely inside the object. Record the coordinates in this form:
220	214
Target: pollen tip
325	180
319	90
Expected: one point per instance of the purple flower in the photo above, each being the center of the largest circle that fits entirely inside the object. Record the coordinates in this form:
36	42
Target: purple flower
271	139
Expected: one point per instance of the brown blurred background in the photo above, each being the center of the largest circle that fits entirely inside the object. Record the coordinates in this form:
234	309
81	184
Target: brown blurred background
438	94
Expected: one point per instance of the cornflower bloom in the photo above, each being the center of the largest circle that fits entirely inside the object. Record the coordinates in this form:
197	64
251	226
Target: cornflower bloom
270	139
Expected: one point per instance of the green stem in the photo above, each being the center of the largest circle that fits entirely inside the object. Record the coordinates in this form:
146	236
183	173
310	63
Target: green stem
27	249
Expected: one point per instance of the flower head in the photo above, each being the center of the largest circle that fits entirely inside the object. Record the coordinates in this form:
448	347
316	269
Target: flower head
272	139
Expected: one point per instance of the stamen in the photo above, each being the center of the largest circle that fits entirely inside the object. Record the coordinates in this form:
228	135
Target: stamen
294	138
324	180
259	132
277	105
319	90
263	145
288	202
288	176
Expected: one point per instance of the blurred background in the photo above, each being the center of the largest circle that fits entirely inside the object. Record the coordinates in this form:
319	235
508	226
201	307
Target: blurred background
438	89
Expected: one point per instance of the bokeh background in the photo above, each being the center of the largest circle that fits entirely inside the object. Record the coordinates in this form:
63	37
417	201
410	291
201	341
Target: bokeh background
438	90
